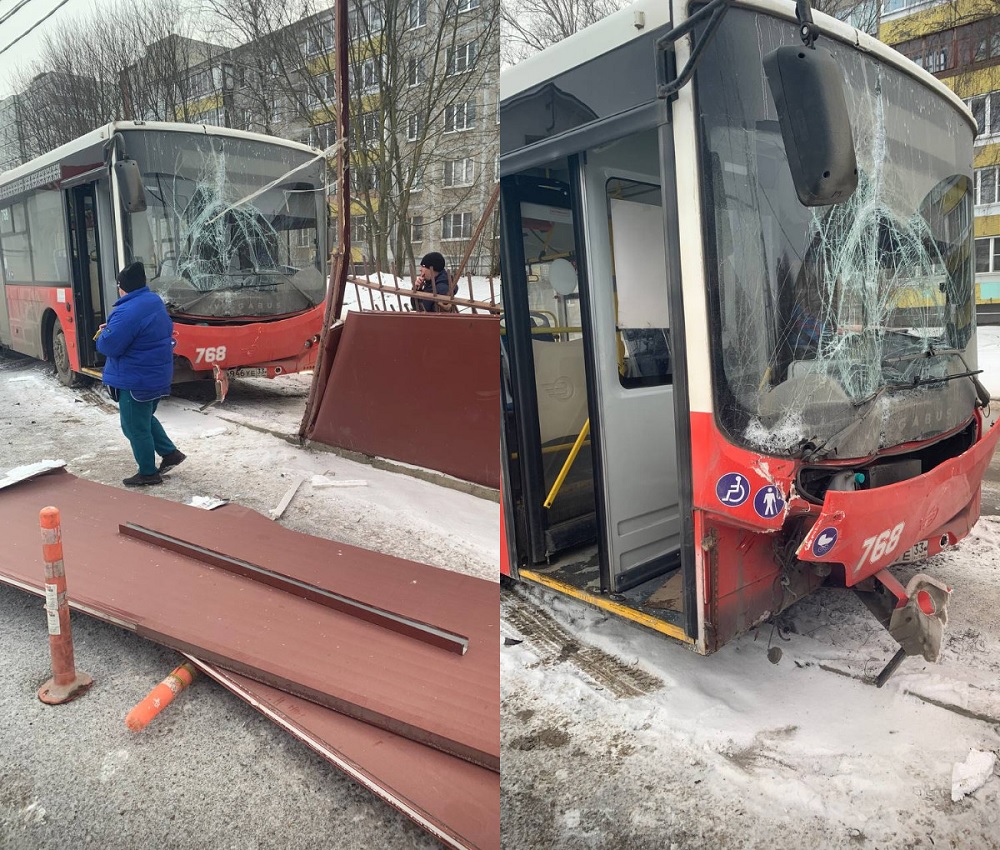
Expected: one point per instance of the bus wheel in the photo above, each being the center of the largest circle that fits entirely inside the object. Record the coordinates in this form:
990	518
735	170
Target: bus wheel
60	357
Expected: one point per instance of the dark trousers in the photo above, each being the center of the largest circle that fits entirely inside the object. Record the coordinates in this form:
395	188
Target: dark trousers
144	431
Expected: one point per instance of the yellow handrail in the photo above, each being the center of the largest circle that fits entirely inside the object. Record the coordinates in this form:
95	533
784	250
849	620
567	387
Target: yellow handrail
566	466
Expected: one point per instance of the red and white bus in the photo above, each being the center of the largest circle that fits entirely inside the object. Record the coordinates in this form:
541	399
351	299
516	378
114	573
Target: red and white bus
230	226
739	349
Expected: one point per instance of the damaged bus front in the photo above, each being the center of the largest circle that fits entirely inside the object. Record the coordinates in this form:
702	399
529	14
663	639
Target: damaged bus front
739	345
233	239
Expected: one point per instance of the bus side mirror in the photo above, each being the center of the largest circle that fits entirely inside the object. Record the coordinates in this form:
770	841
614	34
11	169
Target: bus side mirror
808	91
130	185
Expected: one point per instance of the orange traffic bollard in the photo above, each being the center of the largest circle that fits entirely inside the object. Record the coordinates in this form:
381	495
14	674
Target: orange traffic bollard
66	683
160	697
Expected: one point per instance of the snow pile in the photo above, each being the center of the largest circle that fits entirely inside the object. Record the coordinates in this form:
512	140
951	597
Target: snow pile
972	774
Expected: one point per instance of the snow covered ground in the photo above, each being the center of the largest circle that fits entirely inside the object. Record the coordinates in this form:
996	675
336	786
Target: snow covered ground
210	772
361	298
615	737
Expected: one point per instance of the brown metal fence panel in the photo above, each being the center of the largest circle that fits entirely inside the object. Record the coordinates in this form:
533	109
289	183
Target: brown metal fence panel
421	389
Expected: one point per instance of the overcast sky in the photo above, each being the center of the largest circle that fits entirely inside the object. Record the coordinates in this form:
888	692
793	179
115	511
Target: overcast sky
25	51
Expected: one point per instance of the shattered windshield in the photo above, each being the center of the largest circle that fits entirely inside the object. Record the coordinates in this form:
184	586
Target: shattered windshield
214	245
842	329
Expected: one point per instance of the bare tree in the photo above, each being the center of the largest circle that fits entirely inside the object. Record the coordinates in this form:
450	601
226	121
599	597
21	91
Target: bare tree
124	61
530	26
416	70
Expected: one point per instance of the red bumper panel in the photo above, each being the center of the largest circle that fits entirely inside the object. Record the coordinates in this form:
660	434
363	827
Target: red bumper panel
866	530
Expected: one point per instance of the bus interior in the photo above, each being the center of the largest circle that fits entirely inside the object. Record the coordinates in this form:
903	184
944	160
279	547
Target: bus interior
589	373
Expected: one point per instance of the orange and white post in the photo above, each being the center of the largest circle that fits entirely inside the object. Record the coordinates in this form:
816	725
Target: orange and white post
66	683
160	697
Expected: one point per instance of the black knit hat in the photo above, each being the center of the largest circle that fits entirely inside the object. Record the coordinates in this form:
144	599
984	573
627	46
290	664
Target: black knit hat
433	260
132	277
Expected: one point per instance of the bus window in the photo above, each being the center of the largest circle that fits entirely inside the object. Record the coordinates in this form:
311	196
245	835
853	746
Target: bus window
16	247
635	224
217	245
48	237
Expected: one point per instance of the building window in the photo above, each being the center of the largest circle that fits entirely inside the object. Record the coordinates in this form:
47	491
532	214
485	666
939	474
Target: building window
459	172
416	13
366	179
369	128
414	127
322	90
323	136
461	58
320	40
466	5
418	180
460	116
986	185
988	255
456	226
417	228
365	76
364	21
986	110
359	229
415	74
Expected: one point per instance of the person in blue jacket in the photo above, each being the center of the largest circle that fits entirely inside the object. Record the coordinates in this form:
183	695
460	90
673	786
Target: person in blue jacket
433	279
138	342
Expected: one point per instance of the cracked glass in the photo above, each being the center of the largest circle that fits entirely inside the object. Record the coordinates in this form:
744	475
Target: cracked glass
845	329
233	227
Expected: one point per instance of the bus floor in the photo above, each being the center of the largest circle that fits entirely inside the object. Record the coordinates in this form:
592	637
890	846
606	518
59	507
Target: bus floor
577	573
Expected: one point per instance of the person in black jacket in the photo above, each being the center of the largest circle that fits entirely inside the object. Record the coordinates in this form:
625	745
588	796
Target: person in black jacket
432	279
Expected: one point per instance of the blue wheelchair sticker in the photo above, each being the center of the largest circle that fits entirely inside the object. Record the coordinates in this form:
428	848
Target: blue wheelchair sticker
733	489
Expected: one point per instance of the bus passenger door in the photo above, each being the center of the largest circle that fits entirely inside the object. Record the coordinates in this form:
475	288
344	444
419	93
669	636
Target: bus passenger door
87	270
633	368
543	347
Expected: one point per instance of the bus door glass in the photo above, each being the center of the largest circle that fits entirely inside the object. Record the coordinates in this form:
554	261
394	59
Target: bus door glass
633	380
557	483
87	271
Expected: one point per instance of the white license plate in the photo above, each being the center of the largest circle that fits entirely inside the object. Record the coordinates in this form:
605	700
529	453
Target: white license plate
917	552
255	372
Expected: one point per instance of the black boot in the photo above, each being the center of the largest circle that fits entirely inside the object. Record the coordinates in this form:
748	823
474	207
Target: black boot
175	458
138	480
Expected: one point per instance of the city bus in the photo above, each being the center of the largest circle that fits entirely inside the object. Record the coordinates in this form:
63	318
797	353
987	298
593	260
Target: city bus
738	346
230	226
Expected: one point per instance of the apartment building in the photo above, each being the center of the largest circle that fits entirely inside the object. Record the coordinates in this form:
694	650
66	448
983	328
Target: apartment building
424	107
11	147
959	42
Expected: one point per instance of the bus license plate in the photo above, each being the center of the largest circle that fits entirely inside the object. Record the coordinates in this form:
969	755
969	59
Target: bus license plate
917	552
255	372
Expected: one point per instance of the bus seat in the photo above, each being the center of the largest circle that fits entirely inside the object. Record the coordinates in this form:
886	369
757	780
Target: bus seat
561	386
541	320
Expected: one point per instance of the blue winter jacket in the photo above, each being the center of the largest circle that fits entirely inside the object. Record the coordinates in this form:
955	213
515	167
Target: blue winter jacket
138	342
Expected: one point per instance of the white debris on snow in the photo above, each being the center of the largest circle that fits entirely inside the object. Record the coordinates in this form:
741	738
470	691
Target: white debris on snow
207	502
30	470
972	774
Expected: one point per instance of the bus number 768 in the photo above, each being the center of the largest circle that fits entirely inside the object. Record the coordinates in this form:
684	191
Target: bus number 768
211	355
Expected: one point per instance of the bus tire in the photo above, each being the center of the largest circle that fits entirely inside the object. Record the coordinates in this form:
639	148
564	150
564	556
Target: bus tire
60	359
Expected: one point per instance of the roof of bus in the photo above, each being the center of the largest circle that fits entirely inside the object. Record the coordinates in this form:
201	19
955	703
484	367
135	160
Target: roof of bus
105	132
645	15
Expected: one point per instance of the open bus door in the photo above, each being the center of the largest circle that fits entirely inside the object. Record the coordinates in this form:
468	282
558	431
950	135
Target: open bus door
592	454
91	274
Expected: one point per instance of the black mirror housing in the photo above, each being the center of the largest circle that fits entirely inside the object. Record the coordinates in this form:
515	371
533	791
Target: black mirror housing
808	90
130	187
